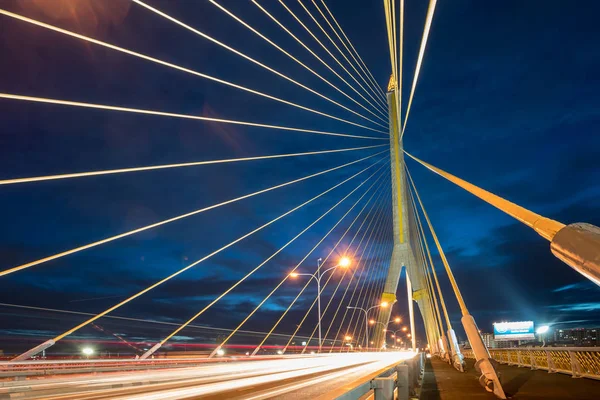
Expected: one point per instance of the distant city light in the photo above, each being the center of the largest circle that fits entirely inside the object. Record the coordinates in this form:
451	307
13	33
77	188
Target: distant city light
220	352
88	351
279	352
542	329
303	343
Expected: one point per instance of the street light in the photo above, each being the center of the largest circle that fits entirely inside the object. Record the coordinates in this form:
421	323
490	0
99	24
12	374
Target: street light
383	304
541	331
344	262
397	320
87	351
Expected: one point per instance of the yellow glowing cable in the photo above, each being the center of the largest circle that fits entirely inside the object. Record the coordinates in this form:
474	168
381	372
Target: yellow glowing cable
327	50
545	227
245	24
375	106
308	282
166	166
459	298
233	332
173	115
269	258
338	49
352	46
326	282
166	221
138	294
426	29
367	272
437	283
338	285
368	81
371	292
179	68
340	302
252	60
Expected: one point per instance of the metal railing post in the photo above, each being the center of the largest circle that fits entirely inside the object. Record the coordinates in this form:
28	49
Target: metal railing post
551	366
402	382
383	388
575	367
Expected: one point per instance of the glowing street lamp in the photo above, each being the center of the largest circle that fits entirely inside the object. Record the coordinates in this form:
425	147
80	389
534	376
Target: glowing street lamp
348	337
87	351
397	320
541	331
404	329
344	262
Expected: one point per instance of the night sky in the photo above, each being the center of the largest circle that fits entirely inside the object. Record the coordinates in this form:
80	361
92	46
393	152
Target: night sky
507	99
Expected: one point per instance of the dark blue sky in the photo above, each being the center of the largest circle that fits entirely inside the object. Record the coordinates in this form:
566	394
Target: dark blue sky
507	99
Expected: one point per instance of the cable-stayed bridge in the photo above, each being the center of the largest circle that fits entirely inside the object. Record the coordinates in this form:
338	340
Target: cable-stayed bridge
347	228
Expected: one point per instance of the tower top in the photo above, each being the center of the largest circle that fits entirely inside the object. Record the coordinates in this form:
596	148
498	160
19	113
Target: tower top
391	83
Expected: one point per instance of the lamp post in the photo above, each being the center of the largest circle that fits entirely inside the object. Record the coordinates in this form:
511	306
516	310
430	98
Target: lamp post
344	263
541	331
382	304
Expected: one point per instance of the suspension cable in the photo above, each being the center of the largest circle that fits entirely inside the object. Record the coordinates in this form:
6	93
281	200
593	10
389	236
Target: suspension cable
328	52
174	115
179	165
375	106
429	19
341	301
341	279
545	227
369	74
252	60
303	259
377	90
366	273
326	282
437	283
308	282
339	51
459	298
245	24
166	221
179	68
180	271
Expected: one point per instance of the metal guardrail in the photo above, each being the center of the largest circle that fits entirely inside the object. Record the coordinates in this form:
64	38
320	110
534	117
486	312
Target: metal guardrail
394	382
579	362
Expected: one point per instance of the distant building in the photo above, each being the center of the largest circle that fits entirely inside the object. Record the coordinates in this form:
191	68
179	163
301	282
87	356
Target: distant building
577	337
488	340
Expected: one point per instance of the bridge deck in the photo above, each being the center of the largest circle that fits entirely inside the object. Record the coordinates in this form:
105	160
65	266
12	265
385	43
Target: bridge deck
442	382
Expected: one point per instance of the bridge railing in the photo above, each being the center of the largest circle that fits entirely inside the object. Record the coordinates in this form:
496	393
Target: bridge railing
579	362
393	382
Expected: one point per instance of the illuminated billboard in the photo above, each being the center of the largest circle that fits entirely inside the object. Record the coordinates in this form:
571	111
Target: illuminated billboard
522	330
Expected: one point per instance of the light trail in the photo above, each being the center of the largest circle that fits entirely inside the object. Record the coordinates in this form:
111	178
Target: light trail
426	29
178	165
167	221
375	106
269	258
302	377
180	271
254	61
179	68
46	100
